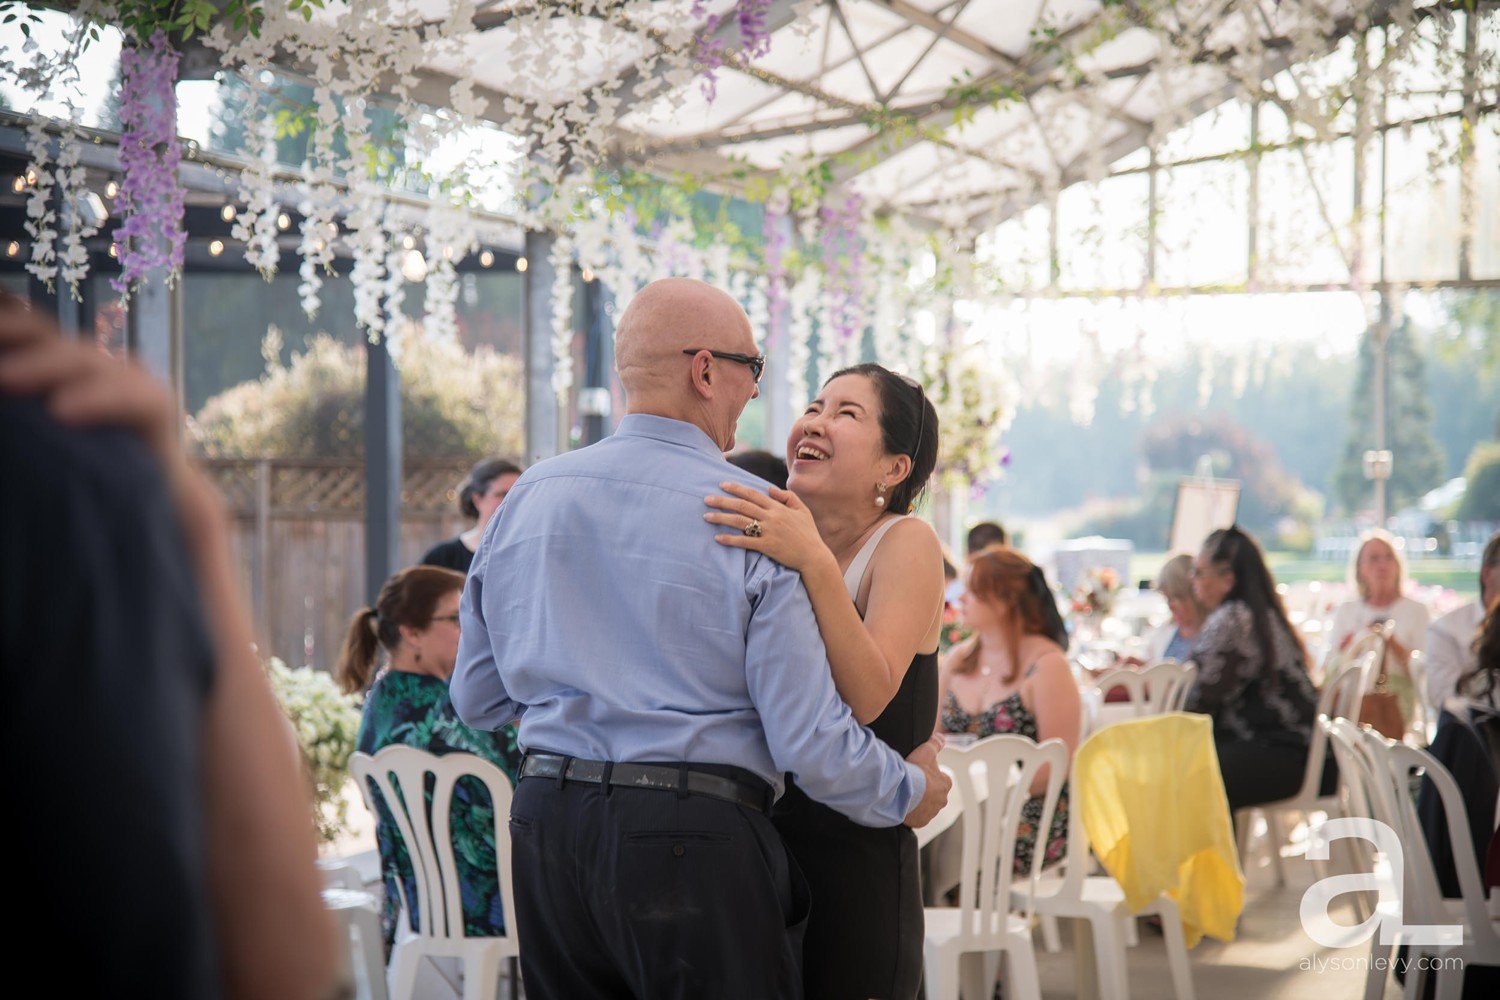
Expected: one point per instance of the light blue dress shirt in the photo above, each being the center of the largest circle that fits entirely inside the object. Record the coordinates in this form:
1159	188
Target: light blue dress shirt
601	611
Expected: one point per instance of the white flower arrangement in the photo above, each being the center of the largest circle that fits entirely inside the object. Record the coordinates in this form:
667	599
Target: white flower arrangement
326	722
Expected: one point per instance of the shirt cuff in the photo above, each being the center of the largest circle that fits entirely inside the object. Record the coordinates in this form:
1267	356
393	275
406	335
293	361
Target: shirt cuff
918	789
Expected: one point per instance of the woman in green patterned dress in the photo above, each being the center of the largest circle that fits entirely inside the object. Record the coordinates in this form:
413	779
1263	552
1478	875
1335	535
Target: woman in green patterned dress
415	620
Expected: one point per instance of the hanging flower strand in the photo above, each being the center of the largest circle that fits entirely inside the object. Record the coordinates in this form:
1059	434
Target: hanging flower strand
152	236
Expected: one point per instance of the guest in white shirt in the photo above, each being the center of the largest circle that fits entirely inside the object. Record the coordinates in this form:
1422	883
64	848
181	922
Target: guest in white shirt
1377	572
1450	640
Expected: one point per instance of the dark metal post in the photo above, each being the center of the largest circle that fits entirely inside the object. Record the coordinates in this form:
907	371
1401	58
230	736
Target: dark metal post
541	401
599	351
382	467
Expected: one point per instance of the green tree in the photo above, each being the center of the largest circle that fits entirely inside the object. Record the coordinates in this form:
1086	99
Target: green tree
454	403
1481	500
1418	458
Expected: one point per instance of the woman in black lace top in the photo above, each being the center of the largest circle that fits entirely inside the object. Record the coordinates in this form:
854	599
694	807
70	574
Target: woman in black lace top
1252	674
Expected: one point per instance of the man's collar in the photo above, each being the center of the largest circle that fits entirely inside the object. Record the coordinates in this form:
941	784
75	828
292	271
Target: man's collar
678	432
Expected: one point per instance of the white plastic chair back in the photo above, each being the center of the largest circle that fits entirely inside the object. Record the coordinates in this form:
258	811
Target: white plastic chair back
401	773
1009	765
1161	687
1423	896
1339	699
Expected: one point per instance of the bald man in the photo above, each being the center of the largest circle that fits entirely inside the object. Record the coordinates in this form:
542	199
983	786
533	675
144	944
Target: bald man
664	685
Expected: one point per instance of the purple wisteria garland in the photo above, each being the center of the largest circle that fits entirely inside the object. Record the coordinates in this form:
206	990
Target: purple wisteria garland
709	50
150	196
843	267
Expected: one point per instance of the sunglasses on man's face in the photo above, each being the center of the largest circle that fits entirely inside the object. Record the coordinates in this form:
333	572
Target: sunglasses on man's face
756	362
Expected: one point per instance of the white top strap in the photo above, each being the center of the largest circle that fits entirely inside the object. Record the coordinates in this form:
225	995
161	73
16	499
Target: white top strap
855	574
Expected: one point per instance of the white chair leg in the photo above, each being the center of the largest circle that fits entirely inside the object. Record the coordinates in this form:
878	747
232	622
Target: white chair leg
1450	982
366	923
973	984
1414	973
403	973
1177	953
1378	969
1132	932
1245	832
482	974
1022	982
941	976
1109	956
1276	839
1050	939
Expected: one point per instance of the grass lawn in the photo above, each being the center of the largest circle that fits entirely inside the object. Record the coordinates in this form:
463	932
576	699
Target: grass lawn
1292	567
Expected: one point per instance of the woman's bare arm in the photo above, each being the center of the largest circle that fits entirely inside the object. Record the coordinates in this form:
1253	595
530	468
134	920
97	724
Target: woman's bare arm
870	656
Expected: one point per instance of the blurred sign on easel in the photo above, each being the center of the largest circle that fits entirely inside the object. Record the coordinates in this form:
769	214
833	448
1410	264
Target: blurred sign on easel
1203	505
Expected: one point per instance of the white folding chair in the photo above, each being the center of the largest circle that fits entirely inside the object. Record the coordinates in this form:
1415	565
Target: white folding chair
1361	796
1422	904
963	941
400	773
1339	699
1161	687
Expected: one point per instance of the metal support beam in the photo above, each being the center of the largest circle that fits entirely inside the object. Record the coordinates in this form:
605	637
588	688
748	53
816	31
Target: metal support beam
542	423
382	467
598	362
1468	170
1252	206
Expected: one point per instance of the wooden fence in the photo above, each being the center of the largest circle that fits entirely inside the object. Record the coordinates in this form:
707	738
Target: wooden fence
298	541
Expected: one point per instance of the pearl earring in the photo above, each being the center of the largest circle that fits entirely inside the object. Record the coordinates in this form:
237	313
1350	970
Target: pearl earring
880	494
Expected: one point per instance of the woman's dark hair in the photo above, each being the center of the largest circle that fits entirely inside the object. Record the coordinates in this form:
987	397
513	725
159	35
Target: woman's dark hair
479	480
909	426
763	464
1236	550
408	598
1480	682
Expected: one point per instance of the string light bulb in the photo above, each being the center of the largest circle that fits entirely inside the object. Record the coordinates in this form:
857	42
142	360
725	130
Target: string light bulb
114	250
408	243
414	266
19	184
588	276
12	248
111	189
216	247
521	264
283	221
486	259
227	213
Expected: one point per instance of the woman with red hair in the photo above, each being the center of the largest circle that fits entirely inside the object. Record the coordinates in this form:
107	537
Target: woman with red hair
1011	676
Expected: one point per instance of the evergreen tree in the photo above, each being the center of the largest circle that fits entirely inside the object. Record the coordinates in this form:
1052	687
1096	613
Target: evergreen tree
1417	458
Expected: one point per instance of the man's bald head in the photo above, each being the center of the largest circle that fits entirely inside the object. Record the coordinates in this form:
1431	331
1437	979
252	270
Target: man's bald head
668	317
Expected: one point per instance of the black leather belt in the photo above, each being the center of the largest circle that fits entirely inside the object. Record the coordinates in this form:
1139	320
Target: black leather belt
683	779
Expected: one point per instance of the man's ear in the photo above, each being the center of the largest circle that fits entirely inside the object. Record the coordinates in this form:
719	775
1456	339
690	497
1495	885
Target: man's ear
702	377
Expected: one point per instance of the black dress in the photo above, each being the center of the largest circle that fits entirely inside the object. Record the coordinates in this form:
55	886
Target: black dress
452	554
865	933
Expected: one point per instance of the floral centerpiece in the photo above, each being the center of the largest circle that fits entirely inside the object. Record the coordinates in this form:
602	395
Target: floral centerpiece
1094	597
326	722
953	631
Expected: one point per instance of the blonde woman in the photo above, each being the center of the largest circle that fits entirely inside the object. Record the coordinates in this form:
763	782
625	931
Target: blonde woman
1376	572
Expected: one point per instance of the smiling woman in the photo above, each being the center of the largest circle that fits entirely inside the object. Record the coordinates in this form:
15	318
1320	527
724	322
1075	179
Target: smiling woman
859	457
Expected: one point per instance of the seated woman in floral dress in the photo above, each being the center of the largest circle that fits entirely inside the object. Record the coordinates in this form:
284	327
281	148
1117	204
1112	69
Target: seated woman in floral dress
415	620
1011	676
